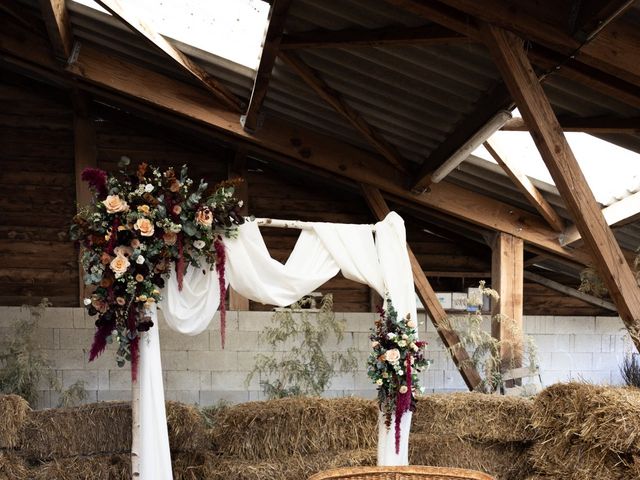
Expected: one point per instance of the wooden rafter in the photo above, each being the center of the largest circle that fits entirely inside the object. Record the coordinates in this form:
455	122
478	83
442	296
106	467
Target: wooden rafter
270	48
528	189
621	212
425	35
449	337
511	59
594	15
132	20
56	18
122	81
333	98
572	292
593	125
496	99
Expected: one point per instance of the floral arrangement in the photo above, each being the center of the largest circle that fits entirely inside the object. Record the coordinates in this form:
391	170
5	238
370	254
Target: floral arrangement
140	226
394	364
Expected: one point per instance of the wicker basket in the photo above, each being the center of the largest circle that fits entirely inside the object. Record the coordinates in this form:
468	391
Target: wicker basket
400	473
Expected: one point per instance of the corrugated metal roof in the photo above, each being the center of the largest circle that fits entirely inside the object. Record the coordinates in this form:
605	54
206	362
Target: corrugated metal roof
413	95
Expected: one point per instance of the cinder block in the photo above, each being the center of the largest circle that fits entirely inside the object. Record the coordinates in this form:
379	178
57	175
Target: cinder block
183	396
359	321
78	315
565	324
610	325
75	338
597	377
183	380
256	396
344	381
103	380
233	381
214	361
206	381
368	394
587	343
215	398
552	343
608	361
10	316
90	378
535	323
253	321
170	340
608	343
60	317
120	379
571	361
236	341
114	395
65	359
174	360
246	361
549	377
453	380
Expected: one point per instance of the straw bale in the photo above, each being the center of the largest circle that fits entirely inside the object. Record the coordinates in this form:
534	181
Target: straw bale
475	416
575	460
504	460
279	428
187	427
13	413
98	428
12	467
613	420
98	467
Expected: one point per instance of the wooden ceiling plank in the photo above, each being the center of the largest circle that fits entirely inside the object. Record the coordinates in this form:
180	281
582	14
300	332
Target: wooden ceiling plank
118	79
56	18
438	316
592	125
132	20
594	15
271	46
333	98
511	59
621	212
528	189
572	292
426	35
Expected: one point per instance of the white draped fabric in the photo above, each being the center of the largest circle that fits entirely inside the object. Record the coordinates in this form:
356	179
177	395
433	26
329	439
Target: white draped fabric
320	253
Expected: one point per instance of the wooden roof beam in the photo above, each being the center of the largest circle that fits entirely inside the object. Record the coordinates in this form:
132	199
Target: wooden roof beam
572	292
498	98
438	316
270	48
594	15
510	57
56	18
592	125
623	211
131	19
526	187
333	98
426	35
117	78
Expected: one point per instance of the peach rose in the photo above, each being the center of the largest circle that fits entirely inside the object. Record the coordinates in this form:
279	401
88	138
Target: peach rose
144	209
177	209
170	238
204	217
105	258
123	251
114	204
392	355
119	265
403	389
175	186
145	227
135	243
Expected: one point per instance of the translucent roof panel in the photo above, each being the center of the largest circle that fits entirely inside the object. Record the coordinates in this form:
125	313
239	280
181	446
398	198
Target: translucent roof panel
612	172
232	29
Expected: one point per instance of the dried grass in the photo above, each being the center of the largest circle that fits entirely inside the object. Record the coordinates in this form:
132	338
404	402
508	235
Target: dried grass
278	428
475	416
187	428
13	413
99	467
12	467
504	460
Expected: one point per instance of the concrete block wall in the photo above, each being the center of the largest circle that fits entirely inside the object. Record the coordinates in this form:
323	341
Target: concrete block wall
197	370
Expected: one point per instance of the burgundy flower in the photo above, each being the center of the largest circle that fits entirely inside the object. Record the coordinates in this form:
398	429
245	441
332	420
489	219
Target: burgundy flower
97	179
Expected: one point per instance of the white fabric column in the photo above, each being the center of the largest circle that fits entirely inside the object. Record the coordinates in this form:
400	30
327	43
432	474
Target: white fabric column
155	455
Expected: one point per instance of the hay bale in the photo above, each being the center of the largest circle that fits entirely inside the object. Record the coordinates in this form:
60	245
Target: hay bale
98	428
575	460
187	427
476	416
280	428
13	413
504	460
13	467
613	420
98	467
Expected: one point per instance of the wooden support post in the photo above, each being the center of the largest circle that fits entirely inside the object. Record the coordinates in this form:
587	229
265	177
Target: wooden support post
428	297
56	18
238	168
511	59
85	155
507	280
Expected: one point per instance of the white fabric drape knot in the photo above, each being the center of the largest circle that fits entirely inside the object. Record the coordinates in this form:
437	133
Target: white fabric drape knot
321	251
